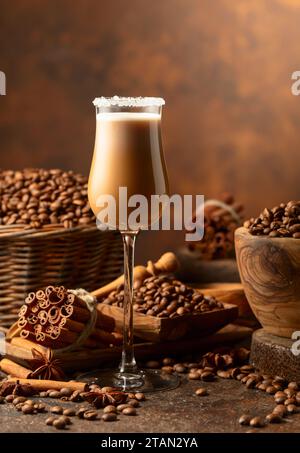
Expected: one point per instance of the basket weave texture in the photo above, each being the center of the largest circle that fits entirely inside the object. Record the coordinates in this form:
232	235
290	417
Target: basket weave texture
81	257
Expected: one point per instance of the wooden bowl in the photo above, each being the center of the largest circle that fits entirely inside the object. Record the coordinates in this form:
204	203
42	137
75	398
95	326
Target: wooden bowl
270	272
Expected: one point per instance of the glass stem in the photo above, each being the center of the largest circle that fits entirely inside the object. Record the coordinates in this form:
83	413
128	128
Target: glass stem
128	363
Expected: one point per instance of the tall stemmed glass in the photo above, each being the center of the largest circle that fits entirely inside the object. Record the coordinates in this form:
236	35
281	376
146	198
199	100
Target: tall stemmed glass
128	155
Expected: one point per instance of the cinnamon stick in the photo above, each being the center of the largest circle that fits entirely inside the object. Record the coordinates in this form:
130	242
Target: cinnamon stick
43	385
13	369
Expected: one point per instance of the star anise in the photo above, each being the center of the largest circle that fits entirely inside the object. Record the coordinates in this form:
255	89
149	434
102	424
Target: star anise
101	399
45	366
15	388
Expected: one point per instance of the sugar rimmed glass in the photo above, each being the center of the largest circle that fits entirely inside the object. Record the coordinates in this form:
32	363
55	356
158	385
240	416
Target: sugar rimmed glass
128	153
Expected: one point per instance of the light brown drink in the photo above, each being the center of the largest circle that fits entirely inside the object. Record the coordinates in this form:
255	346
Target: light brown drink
128	153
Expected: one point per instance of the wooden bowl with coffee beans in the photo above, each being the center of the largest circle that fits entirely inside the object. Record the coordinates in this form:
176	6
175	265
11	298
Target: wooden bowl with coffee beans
268	257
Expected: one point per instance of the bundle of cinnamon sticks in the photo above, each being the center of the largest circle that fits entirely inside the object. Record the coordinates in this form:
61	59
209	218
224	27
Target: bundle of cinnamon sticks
56	317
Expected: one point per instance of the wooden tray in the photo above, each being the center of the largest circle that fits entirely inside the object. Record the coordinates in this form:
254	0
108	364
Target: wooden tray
156	329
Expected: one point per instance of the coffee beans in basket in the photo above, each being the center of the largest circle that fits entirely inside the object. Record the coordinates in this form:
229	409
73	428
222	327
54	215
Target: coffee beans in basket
37	197
280	221
165	297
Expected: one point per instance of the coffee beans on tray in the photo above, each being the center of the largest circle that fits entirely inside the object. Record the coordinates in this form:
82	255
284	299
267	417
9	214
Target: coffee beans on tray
280	221
37	197
165	297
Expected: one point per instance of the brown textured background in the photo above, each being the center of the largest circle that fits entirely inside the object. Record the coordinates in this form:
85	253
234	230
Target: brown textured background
223	66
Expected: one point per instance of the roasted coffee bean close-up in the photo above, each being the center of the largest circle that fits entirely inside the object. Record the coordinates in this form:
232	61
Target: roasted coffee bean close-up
33	198
164	297
280	221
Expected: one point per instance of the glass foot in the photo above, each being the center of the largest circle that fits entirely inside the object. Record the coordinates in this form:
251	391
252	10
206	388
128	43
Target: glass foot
145	381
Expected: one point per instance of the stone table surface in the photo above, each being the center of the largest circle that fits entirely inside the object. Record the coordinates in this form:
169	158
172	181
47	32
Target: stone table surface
174	411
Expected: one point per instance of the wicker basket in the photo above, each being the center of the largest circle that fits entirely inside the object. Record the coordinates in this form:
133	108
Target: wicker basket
81	257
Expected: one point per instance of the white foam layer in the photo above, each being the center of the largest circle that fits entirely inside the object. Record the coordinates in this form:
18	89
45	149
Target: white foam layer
121	101
128	116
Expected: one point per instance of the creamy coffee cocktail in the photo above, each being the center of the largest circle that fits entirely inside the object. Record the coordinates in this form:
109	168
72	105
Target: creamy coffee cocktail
128	153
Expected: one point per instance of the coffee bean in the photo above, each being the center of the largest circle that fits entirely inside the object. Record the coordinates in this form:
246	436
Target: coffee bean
194	376
59	423
207	376
111	409
56	410
257	422
244	419
129	411
54	394
109	417
18	400
108	389
90	415
201	391
290	401
167	369
224	374
50	420
121	407
81	411
250	383
294	385
27	409
66	392
75	397
19	406
289	392
39	407
168	361
43	394
292	408
271	390
131	396
69	412
140	396
134	403
9	398
281	410
262	387
273	418
180	368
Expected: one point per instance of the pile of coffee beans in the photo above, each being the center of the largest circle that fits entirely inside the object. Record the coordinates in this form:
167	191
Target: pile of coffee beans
164	297
280	221
60	416
36	197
